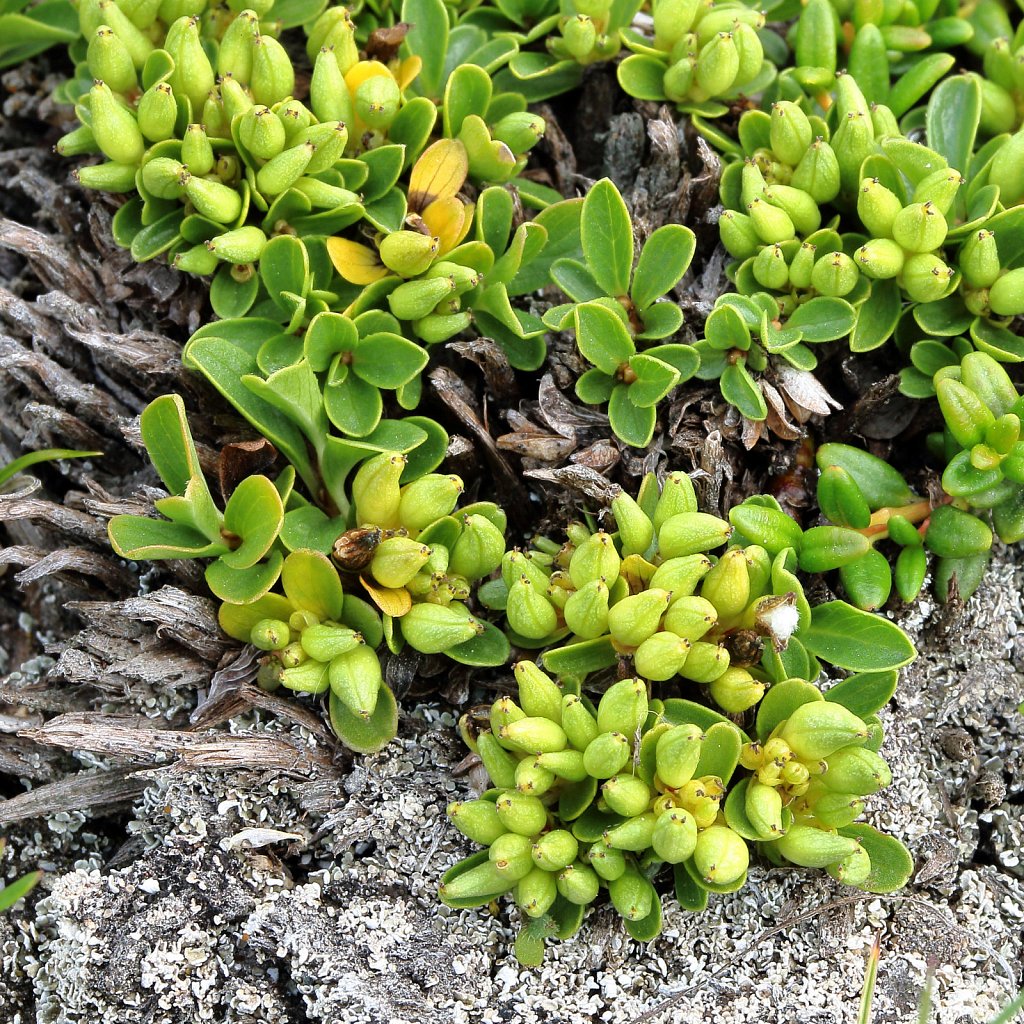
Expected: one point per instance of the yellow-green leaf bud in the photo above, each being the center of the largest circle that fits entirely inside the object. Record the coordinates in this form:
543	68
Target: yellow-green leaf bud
636	531
751	53
681	575
579	33
623	707
157	112
262	133
880	258
566	764
435	328
819	728
499	763
633	619
234	54
270	635
503	711
817	173
803	211
853	869
242	245
520	131
1006	170
691	533
720	856
196	260
675	836
578	883
193	76
531	778
520	813
110	61
536	892
790	132
273	77
356	680
802	265
633	835
770	269
939	188
328	94
763	805
476	820
626	795
511	855
1006	296
282	171
428	499
478	550
408	253
334	29
718	64
396	560
606	861
114	127
196	151
595	559
108	13
235	98
736	690
705	663
926	278
376	490
606	755
529	611
852	143
877	207
325	642
579	724
555	850
661	656
812	847
677	754
586	610
679	78
632	895
835	274
483	882
539	695
857	770
162	178
414	300
691	617
727	585
836	809
738	234
771	223
534	735
919	227
212	199
377	100
677	496
672	20
434	628
979	259
884	123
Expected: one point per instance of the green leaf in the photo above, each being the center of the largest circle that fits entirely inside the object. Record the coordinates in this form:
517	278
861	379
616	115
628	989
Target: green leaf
242	586
231	298
951	123
915	161
43	455
655	379
561	221
158	237
602	337
741	390
284	267
19	889
735	810
576	280
388	360
891	864
880	484
823	319
631	423
643	76
679	711
310	527
366	735
326	336
877	317
781	701
141	538
726	328
689	895
664	259
607	236
649	927
864	693
683	357
660	320
490	648
255	514
237	620
578	660
311	583
860	641
427	39
384	165
467	92
720	752
295	392
352	405
595	387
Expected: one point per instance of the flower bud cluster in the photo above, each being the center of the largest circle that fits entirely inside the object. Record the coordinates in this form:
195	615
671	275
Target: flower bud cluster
585	35
702	51
587	799
651	593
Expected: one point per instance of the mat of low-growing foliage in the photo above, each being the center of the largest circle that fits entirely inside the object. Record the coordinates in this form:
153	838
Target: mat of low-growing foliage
361	185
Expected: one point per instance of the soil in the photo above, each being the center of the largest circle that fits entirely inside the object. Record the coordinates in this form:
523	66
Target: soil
212	854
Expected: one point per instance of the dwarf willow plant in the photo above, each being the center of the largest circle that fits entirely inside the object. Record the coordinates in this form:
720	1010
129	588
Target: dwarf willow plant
320	593
587	798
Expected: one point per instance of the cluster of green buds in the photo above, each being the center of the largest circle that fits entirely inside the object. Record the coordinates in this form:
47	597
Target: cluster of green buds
586	799
398	568
703	54
589	31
